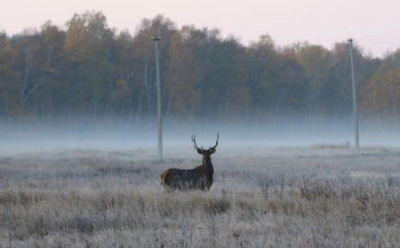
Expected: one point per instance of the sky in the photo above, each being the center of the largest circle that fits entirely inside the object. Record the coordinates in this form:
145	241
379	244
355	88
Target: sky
374	25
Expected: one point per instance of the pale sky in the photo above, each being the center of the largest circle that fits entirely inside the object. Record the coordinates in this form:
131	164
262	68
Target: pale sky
375	25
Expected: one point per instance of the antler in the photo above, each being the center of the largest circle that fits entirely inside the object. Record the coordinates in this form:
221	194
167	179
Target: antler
216	143
194	141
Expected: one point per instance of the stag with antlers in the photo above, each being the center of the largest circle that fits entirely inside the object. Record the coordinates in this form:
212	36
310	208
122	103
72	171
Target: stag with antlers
200	177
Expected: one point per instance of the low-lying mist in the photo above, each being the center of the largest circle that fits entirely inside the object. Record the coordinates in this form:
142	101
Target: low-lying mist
25	136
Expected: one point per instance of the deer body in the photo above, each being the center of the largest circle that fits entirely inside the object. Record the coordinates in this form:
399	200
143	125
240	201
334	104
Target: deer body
200	177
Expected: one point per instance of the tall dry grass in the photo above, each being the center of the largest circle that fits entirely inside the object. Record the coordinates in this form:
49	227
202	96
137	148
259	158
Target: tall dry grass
287	197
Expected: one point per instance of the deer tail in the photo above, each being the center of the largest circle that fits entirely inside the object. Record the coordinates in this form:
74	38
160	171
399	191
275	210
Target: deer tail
164	176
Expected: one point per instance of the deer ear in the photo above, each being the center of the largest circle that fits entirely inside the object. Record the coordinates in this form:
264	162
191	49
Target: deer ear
212	151
199	151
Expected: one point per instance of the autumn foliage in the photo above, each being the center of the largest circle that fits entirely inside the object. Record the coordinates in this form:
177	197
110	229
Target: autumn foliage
88	69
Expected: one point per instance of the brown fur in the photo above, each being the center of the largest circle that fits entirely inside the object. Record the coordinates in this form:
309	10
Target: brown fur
164	176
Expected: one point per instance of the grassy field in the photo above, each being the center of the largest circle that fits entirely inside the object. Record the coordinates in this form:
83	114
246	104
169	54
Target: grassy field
318	196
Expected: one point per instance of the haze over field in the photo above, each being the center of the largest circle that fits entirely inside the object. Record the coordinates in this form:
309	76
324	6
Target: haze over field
290	133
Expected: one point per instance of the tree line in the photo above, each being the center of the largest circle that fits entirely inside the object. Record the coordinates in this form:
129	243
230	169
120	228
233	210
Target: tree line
90	70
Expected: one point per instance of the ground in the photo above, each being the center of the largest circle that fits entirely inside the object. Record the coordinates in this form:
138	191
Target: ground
316	196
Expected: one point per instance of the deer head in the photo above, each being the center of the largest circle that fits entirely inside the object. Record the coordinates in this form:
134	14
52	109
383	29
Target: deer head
202	151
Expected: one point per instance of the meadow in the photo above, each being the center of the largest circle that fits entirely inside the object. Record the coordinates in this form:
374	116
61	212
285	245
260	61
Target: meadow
314	196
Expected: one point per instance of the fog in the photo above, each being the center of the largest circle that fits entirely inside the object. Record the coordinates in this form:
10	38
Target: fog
32	136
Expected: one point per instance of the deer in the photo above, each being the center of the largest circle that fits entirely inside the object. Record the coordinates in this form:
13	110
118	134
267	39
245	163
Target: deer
199	178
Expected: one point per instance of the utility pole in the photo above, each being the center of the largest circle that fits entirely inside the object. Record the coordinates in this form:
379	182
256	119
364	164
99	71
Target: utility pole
355	112
159	118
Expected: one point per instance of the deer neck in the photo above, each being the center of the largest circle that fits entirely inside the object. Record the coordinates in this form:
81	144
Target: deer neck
207	162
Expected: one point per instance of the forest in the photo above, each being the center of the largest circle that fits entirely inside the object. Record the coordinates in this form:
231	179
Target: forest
89	70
